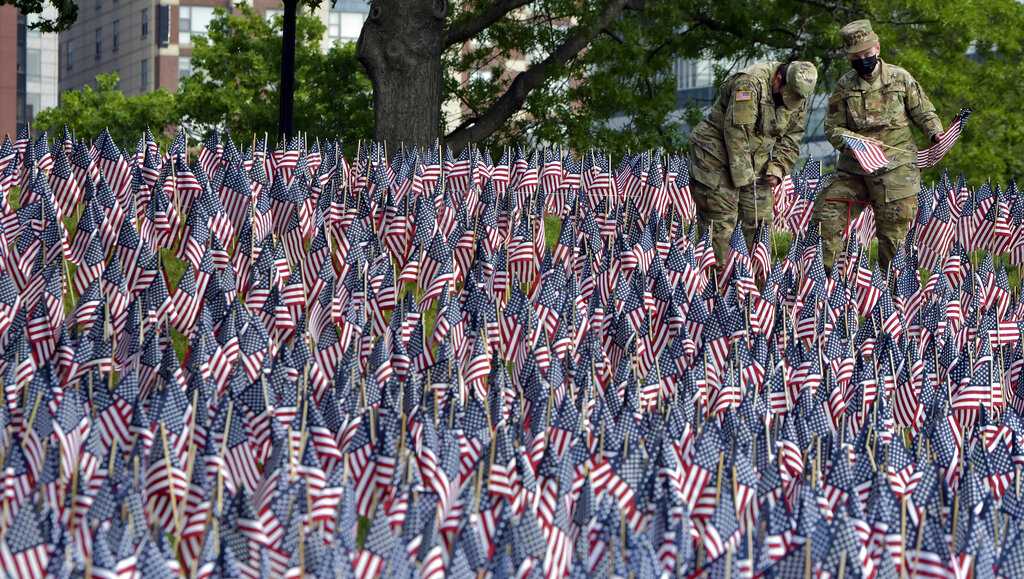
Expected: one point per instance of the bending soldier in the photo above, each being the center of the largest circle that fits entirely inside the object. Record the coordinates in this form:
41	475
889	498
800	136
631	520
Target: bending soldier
745	146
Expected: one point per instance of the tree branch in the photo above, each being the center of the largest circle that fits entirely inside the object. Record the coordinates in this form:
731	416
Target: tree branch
534	77
614	35
465	28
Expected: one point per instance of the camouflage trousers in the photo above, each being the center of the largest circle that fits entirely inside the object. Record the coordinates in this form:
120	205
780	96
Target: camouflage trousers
721	206
893	195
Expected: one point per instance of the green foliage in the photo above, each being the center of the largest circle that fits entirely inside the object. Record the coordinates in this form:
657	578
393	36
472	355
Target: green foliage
91	109
67	13
234	87
977	63
620	93
236	70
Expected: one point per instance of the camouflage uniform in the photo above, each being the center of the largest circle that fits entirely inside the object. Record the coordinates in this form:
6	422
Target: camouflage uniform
880	108
744	138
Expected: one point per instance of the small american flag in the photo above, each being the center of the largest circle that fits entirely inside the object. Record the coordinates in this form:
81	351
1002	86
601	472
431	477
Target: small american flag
932	155
869	155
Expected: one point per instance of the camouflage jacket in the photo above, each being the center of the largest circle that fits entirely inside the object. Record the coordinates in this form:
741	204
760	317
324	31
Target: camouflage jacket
744	135
881	109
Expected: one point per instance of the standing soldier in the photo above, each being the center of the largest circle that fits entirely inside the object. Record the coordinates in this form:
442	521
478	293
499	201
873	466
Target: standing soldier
876	102
746	145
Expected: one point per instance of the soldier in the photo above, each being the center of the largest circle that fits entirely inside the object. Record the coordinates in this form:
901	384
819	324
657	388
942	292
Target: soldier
746	145
875	101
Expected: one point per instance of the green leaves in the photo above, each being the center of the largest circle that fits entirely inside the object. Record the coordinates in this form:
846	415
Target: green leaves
236	69
90	110
620	93
236	75
67	13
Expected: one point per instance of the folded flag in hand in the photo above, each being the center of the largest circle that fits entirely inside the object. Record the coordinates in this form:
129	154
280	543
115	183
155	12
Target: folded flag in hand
868	153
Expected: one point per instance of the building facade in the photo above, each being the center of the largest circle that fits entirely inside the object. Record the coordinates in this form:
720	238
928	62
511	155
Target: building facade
148	43
28	70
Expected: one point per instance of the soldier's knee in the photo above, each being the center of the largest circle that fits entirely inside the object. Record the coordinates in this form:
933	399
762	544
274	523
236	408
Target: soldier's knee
893	219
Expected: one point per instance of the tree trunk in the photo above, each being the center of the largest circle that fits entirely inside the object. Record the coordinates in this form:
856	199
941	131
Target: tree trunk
400	46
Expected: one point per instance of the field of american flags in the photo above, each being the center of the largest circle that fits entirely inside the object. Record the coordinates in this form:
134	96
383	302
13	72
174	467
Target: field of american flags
227	361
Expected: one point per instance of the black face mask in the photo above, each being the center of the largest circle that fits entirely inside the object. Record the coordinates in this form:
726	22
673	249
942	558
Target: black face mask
865	66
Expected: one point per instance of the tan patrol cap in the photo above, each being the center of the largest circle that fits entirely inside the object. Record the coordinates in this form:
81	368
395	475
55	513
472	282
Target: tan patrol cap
858	36
801	77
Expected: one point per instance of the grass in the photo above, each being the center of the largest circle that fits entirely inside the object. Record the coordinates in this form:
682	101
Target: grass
174	268
782	240
552	228
362	529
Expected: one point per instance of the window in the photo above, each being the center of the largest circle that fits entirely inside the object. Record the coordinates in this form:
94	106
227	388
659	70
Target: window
145	22
333	25
67	56
344	26
163	25
184	24
184	67
691	74
30	20
99	43
193	20
351	25
33	64
116	42
144	74
33	104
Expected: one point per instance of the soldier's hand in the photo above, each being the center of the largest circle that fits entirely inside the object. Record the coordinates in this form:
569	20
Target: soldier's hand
772	181
938	136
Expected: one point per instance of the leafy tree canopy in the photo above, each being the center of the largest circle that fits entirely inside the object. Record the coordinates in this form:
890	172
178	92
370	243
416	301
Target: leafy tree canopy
611	87
89	110
233	87
236	67
619	93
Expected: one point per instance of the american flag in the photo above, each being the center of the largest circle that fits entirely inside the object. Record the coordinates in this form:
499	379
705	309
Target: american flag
467	398
934	154
869	155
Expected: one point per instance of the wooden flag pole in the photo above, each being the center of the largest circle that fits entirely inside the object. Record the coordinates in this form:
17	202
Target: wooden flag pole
170	482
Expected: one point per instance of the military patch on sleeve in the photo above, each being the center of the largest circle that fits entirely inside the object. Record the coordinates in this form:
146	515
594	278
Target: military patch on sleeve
744	95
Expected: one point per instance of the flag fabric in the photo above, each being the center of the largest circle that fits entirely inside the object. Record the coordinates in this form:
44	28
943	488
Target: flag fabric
392	371
868	153
932	155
